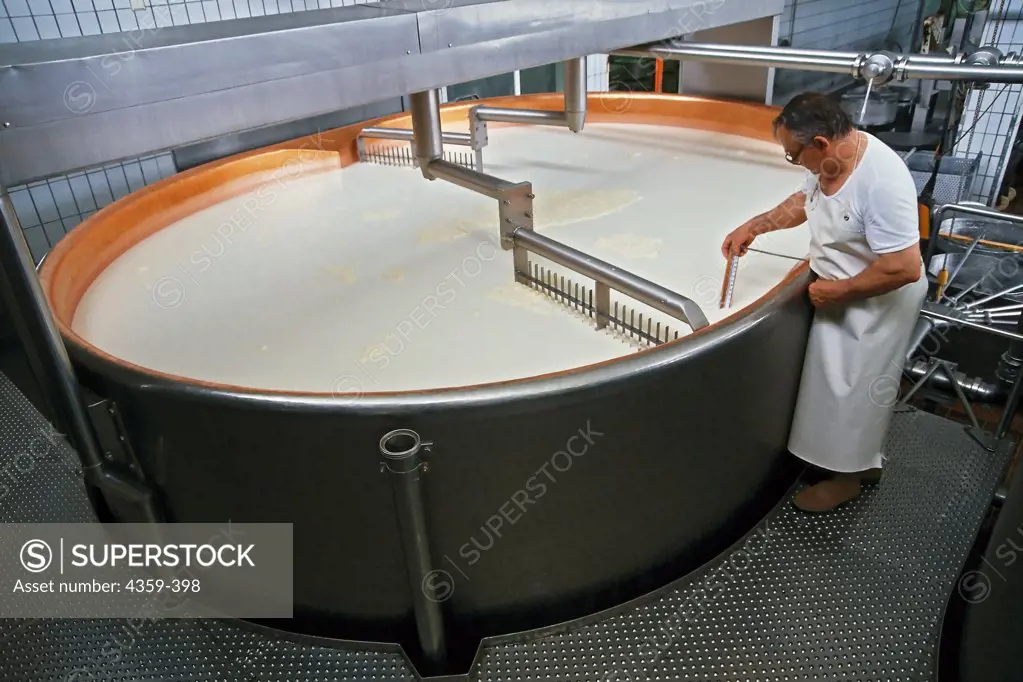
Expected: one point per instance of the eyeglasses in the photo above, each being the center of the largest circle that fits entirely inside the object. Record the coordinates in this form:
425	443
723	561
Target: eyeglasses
794	158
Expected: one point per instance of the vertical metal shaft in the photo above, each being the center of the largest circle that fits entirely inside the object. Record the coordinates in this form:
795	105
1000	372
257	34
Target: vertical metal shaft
402	460
602	306
575	93
426	129
47	356
1008	369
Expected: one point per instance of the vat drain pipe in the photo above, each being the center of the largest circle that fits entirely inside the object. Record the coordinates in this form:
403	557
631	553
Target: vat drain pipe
974	388
403	460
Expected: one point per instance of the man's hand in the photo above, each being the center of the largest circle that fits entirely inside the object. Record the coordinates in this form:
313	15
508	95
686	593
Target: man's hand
738	240
827	293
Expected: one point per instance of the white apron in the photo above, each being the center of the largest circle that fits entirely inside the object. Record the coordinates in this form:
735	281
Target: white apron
854	357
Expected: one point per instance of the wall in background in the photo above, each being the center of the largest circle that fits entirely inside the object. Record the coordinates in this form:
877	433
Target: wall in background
48	209
840	25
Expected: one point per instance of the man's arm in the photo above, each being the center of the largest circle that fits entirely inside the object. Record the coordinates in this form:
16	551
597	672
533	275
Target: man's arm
889	272
788	214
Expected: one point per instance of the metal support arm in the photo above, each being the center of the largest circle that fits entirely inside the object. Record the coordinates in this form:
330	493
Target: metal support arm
573	117
406	135
515	202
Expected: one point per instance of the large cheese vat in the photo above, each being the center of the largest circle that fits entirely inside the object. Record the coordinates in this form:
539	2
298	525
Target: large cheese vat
551	494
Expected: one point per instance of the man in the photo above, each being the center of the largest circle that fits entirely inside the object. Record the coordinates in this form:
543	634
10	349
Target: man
860	203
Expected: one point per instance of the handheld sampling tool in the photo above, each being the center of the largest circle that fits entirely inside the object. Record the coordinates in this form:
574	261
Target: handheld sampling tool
728	285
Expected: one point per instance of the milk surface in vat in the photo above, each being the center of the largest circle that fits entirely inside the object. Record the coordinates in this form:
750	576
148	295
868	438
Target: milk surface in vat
372	278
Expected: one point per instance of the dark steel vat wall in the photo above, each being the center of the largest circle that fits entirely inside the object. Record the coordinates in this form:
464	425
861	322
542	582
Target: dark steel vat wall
690	454
992	591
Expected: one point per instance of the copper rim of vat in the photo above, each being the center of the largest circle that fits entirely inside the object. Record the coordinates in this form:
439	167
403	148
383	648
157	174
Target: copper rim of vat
77	260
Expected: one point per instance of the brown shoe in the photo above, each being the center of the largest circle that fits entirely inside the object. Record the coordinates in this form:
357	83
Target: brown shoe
830	494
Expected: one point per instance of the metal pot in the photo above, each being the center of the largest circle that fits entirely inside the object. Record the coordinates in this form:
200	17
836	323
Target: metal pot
906	106
881	110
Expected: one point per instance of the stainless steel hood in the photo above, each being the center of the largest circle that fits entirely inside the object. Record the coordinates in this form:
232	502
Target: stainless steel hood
74	103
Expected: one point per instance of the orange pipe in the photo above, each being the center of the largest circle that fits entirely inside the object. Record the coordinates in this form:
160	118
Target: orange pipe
659	76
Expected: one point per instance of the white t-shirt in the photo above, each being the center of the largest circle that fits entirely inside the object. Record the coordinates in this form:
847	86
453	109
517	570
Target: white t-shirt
879	197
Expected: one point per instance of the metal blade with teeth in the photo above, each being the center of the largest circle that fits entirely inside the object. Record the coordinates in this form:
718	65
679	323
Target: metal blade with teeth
621	322
391	155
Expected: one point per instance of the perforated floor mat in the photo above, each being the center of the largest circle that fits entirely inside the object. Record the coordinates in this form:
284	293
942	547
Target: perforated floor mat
853	595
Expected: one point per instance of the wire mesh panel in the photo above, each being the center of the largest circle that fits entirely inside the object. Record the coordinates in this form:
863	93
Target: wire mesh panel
956	177
991	116
48	209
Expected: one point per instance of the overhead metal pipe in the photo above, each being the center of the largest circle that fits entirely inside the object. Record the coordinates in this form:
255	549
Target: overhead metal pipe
770	50
802	52
720	55
1012	73
987	64
920	58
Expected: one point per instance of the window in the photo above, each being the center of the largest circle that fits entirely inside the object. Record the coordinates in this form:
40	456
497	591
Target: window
542	79
494	86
